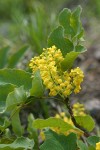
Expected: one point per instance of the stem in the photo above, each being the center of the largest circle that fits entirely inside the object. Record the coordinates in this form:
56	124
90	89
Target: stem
67	102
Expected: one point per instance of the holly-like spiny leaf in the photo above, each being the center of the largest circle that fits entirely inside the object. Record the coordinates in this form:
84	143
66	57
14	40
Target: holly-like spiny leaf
52	122
68	61
64	20
37	89
59	142
16	77
15	98
21	143
80	48
4	91
82	145
85	121
75	20
14	59
92	140
16	124
57	38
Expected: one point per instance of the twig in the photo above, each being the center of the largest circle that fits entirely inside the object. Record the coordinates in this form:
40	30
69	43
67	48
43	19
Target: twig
67	102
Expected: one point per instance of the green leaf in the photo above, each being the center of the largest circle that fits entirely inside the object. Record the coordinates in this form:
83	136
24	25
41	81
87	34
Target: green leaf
15	98
59	142
71	23
37	89
64	20
81	35
82	145
3	56
4	91
92	140
16	77
67	63
57	38
80	48
15	121
33	133
52	122
20	143
75	20
85	121
14	59
91	148
5	125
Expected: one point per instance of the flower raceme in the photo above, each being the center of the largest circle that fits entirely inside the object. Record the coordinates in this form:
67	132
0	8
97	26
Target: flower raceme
54	79
68	120
78	110
98	146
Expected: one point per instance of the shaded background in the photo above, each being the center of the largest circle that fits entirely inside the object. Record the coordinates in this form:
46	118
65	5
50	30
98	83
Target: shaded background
30	21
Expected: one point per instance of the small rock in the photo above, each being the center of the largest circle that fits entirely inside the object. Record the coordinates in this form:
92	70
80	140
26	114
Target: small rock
92	104
97	54
94	108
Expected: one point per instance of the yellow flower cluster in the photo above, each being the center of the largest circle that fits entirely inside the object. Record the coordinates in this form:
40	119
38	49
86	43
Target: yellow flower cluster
77	76
78	109
63	116
98	146
54	79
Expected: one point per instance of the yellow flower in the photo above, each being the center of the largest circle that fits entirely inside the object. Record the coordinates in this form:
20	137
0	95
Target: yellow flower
68	120
42	135
54	79
50	85
63	116
53	93
57	116
98	146
59	81
78	109
62	85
